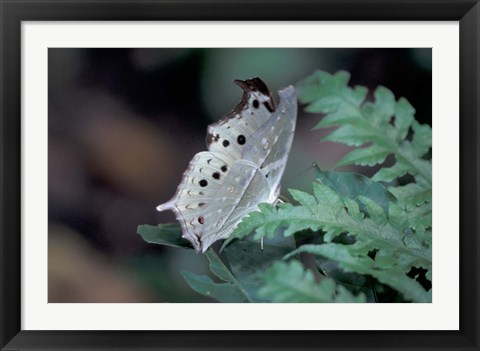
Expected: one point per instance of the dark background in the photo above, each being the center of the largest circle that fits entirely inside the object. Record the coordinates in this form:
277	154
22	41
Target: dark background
123	125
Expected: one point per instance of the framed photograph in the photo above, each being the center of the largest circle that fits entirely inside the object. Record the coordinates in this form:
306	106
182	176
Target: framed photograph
239	175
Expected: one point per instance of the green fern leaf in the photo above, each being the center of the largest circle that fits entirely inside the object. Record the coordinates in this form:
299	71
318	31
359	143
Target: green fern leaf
390	173
290	282
385	267
333	201
404	113
169	234
352	185
411	195
422	139
349	135
204	285
339	103
248	258
400	243
369	156
219	269
324	84
385	123
267	221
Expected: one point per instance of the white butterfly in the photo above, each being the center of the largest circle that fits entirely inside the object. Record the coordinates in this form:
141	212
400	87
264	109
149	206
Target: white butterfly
248	151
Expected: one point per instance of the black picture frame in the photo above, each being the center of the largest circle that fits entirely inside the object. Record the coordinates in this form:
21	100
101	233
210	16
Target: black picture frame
13	12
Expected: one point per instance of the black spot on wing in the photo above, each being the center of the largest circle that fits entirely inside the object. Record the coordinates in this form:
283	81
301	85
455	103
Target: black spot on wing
241	139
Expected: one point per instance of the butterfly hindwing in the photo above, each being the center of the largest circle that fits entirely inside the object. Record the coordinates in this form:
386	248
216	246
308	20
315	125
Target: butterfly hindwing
242	190
200	184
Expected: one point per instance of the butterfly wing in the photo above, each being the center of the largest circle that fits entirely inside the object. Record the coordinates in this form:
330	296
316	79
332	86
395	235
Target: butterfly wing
270	145
256	177
213	197
230	134
199	186
242	190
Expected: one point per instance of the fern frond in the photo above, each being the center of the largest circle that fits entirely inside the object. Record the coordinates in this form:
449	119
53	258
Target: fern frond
386	267
399	244
381	127
230	291
290	282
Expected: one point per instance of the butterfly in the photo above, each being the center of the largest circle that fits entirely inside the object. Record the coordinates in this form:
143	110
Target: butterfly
247	154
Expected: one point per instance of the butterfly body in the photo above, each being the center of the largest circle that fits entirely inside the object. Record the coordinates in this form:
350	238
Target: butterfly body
248	151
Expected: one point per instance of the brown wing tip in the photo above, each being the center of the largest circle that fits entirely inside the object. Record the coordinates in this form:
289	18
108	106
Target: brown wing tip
253	84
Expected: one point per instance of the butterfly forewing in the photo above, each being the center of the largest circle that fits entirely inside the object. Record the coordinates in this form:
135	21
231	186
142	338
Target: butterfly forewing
230	135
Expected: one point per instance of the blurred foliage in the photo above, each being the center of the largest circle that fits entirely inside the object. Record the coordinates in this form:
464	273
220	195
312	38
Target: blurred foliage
224	66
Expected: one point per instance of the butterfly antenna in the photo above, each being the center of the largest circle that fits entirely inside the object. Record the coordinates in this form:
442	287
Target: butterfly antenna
313	166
